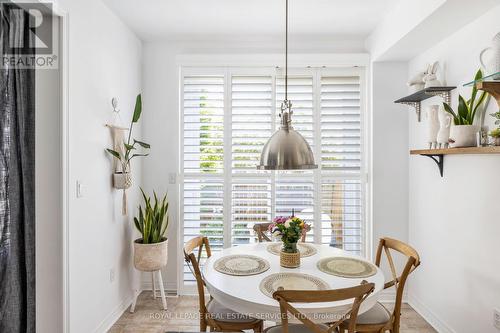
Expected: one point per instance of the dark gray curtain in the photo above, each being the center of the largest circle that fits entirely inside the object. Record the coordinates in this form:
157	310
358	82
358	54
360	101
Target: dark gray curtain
17	176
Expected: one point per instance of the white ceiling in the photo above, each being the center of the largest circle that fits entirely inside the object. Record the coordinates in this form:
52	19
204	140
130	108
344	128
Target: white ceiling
233	19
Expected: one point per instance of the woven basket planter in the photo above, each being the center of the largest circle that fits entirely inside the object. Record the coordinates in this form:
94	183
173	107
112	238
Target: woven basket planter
150	257
290	260
122	181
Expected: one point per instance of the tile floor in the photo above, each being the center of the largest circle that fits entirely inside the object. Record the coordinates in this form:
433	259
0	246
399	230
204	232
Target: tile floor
182	316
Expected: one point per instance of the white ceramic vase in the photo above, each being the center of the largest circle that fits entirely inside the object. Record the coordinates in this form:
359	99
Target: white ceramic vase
150	257
492	62
433	125
444	128
464	135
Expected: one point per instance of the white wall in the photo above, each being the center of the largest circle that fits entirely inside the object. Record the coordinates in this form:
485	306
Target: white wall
454	220
104	62
48	198
390	155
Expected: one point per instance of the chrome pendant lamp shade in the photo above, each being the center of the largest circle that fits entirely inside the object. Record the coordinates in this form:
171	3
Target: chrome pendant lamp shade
286	149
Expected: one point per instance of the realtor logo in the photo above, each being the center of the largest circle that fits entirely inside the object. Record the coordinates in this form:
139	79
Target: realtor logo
31	38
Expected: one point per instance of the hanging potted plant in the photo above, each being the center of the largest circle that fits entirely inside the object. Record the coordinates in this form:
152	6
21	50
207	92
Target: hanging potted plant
150	251
289	231
124	153
463	133
122	179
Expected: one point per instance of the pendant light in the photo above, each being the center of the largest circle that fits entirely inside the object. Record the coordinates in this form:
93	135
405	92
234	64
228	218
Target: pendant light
286	149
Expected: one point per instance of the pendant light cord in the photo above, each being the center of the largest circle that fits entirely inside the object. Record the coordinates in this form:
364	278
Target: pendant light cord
286	51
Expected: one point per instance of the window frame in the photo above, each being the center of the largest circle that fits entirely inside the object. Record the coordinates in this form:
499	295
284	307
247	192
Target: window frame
316	72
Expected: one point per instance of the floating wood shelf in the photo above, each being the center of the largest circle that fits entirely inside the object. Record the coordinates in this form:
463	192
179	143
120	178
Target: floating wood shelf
415	98
490	84
492	88
438	154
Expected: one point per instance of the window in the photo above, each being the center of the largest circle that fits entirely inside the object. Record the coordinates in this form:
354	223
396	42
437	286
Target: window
228	114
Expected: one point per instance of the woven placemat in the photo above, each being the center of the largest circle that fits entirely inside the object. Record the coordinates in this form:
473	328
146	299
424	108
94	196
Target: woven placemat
346	267
241	265
305	250
291	281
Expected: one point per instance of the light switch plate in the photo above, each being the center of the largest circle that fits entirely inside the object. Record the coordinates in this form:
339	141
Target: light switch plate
79	189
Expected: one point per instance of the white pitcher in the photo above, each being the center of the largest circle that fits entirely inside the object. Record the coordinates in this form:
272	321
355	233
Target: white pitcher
492	64
443	135
433	125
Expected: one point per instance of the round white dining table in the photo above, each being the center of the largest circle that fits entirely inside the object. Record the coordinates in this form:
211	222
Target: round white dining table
242	293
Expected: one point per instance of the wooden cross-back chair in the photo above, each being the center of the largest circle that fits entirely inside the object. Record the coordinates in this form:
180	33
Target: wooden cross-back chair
378	318
262	228
285	297
212	314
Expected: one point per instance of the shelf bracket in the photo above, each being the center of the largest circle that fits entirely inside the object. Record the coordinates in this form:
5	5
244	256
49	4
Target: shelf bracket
446	95
417	107
439	159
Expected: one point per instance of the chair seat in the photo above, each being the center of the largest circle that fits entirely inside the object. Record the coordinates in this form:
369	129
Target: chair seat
221	313
293	328
376	315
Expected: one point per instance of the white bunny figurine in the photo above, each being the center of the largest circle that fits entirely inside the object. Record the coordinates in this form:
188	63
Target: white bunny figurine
417	81
430	78
433	125
443	135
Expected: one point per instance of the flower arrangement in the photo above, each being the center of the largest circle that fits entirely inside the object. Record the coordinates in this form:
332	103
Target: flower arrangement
290	229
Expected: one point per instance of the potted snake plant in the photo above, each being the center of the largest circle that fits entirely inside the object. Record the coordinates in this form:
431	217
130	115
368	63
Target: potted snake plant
463	133
150	251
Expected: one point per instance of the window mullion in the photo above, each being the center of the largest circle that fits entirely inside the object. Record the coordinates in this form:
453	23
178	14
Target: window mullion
227	156
317	153
273	129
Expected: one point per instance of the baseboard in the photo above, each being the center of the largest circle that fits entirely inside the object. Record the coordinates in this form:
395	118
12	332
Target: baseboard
389	296
429	316
170	288
111	318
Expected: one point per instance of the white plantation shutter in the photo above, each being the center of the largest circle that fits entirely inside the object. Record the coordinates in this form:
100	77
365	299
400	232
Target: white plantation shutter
203	159
340	124
251	111
341	199
227	119
203	124
251	126
295	189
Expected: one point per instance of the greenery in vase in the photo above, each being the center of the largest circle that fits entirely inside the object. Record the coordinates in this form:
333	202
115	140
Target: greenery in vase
495	133
152	221
497	116
290	230
130	145
466	111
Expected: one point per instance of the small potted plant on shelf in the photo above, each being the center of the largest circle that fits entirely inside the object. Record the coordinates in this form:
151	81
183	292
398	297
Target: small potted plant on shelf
150	251
463	133
495	134
122	180
289	230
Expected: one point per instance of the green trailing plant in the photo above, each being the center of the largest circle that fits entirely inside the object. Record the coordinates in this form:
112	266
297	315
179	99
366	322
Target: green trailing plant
466	111
130	145
152	221
496	115
495	133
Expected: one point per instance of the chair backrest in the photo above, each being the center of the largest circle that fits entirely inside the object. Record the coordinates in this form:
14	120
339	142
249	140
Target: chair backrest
413	261
261	229
199	243
358	293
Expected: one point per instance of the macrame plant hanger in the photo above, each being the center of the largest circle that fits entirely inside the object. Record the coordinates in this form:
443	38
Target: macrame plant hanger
118	132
